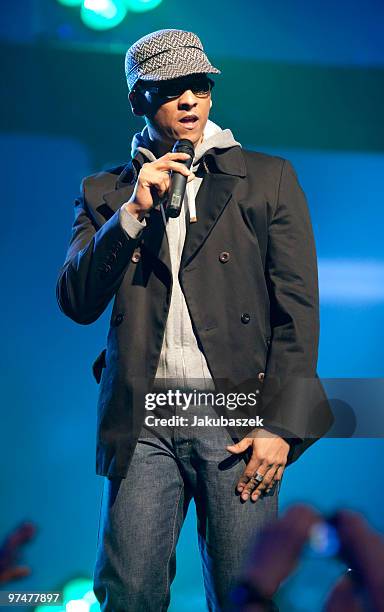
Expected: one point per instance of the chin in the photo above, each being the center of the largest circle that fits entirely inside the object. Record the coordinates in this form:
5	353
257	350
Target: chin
191	135
180	133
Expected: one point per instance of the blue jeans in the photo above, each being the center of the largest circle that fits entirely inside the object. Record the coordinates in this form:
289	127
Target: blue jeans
142	515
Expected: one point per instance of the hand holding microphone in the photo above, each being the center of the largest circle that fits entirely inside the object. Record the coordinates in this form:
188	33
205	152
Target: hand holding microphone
168	174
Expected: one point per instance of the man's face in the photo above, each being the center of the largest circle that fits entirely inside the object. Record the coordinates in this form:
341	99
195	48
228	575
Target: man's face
182	116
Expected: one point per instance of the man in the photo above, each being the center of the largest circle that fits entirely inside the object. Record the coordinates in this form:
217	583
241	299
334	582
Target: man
220	298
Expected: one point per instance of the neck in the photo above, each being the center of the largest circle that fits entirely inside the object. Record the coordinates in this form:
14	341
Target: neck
160	147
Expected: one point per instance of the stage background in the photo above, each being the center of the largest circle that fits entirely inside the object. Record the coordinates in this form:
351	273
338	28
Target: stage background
301	80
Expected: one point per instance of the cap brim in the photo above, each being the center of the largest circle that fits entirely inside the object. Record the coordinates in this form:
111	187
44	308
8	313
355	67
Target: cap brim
164	74
177	63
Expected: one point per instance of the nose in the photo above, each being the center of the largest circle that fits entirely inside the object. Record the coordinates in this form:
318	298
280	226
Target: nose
187	99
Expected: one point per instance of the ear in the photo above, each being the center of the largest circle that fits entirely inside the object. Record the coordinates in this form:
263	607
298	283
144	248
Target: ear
135	100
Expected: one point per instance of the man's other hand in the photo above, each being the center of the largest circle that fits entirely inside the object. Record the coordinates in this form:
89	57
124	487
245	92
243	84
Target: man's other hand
269	458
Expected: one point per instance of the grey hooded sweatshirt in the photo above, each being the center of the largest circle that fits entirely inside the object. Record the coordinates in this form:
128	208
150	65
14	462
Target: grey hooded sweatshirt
182	364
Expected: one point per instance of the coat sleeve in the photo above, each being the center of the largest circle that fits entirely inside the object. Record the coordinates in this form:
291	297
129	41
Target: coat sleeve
95	264
293	398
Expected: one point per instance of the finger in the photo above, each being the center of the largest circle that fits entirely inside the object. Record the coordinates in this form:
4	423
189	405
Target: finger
275	479
163	186
252	465
253	483
239	447
247	481
273	484
159	187
163	181
151	179
250	470
190	176
266	482
267	490
174	167
172	155
277	476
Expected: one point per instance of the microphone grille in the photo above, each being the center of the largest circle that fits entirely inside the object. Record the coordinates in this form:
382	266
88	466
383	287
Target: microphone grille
184	146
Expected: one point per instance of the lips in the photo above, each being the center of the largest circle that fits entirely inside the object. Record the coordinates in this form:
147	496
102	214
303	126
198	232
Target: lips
189	119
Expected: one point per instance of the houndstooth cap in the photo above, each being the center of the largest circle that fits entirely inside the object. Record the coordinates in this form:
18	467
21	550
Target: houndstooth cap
166	54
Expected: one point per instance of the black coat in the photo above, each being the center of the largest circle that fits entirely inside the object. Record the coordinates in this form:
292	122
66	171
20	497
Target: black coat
254	309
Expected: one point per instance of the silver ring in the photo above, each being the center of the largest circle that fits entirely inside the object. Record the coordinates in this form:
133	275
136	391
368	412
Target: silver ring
258	477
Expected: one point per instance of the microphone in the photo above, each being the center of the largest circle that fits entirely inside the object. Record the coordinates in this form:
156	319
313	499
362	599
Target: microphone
179	181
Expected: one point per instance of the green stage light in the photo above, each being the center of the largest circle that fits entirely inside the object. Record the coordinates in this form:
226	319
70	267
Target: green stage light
78	596
140	6
103	14
76	589
70	2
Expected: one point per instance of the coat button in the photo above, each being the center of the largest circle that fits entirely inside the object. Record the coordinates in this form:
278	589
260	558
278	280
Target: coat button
245	318
103	270
260	376
135	256
118	318
224	256
112	256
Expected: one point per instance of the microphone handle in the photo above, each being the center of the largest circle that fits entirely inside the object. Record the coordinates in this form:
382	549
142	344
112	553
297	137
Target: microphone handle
177	190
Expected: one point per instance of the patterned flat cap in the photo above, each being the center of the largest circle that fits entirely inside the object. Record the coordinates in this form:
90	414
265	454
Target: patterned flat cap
166	54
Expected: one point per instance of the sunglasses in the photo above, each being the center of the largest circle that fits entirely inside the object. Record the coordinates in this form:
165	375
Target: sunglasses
169	90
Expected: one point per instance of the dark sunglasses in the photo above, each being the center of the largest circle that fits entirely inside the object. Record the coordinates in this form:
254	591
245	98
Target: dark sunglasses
170	90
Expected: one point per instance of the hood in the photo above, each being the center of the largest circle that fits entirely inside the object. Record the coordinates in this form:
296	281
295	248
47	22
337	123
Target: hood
214	137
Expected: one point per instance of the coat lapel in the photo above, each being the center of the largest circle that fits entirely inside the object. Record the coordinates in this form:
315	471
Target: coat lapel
228	167
214	194
117	197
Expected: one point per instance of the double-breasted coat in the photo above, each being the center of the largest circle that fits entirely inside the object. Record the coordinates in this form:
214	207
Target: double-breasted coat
249	275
